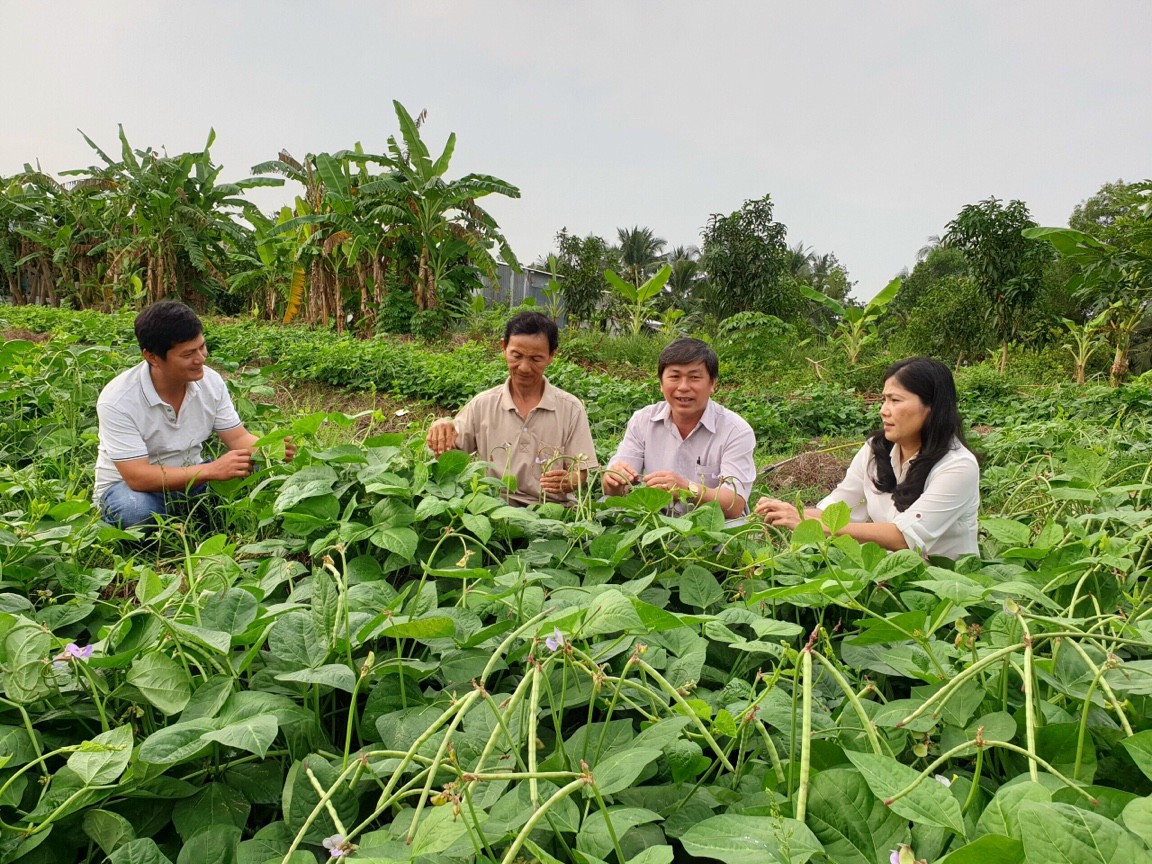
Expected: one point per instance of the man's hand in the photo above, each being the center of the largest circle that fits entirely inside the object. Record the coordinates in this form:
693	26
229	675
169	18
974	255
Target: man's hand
233	464
668	480
289	449
618	478
560	481
441	436
779	513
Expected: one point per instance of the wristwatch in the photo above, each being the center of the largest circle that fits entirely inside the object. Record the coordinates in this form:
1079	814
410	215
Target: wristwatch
695	490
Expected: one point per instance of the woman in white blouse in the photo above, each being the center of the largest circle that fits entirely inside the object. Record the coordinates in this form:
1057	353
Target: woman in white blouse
914	484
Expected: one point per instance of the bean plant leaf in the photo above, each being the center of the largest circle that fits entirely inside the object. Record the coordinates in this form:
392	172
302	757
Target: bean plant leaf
1063	832
1139	747
215	804
27	675
177	742
699	588
594	839
852	824
929	803
107	830
609	612
300	798
989	848
737	839
161	681
1137	818
253	735
1008	532
142	851
101	761
621	770
216	844
836	516
335	675
308	482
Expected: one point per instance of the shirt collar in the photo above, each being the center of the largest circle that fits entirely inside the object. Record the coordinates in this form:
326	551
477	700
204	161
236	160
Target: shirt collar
547	399
148	388
708	420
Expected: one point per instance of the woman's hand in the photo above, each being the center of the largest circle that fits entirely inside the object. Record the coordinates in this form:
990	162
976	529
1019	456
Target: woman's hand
780	513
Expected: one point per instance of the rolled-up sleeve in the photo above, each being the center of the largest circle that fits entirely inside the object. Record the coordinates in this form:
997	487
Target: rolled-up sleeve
737	462
851	490
631	449
948	491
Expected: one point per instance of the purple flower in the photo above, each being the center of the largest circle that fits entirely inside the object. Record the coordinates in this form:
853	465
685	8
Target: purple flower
894	858
556	641
72	651
336	846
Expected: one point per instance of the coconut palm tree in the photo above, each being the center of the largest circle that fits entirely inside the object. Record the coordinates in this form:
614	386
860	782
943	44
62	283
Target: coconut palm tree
640	252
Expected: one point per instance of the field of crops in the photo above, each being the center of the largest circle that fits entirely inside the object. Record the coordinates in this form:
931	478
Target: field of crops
366	655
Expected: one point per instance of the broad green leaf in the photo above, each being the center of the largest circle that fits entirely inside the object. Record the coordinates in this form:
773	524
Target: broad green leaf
621	770
989	849
254	735
1137	818
439	829
1062	832
16	746
177	742
433	627
308	482
101	761
654	855
609	612
331	675
300	798
699	588
809	533
216	844
594	839
836	516
161	680
108	830
1139	747
142	851
27	675
851	823
737	839
295	639
208	698
215	804
1008	532
929	803
402	541
230	612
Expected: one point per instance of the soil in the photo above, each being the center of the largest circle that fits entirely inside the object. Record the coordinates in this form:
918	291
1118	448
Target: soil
810	470
24	335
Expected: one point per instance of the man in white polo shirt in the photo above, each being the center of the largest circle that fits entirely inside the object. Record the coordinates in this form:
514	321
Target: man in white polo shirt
687	444
156	416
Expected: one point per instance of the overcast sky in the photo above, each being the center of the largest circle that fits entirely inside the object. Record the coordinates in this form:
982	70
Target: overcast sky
870	123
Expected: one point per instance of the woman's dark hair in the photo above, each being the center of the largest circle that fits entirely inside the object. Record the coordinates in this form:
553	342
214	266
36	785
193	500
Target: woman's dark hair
164	324
932	382
531	323
685	352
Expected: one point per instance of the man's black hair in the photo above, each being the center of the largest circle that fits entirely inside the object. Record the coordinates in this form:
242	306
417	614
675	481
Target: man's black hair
165	324
685	352
531	323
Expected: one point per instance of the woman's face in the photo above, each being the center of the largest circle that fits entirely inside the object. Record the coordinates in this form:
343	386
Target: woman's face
903	415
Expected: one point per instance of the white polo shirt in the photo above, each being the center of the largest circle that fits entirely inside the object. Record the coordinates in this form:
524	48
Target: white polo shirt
135	422
942	521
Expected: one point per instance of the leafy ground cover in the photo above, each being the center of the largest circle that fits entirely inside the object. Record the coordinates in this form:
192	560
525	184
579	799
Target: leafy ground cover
366	655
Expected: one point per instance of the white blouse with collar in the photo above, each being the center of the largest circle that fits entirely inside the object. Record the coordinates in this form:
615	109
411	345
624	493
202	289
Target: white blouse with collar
942	521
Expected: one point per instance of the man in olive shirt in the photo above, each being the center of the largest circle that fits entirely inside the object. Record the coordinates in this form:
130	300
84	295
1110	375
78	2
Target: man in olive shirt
525	425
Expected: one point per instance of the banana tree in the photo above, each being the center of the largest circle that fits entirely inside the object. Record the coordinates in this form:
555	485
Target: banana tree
857	327
1116	282
454	236
1085	341
640	299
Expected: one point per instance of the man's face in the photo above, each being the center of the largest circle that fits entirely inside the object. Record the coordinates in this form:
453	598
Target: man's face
184	362
686	388
527	356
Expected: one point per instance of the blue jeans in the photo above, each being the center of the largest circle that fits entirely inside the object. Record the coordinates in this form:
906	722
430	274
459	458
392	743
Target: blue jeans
126	508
